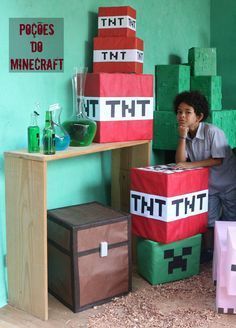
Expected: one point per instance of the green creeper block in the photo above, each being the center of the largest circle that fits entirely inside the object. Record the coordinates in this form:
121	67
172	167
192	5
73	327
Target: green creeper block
202	61
170	80
160	263
211	87
165	134
225	119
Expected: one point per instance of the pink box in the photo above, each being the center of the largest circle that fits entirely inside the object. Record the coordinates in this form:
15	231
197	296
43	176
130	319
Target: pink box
224	266
121	104
168	204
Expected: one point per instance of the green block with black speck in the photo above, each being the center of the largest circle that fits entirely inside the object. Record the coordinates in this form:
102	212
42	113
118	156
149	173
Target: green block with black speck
165	134
161	263
211	88
225	120
170	80
202	61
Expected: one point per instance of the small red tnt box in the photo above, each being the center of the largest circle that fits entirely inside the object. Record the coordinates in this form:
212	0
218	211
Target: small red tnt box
121	104
118	55
116	21
168	204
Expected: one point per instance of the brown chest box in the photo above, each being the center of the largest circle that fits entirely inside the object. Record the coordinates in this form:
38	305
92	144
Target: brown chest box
89	255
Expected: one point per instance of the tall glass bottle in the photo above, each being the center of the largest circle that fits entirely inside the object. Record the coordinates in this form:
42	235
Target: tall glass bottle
62	137
49	143
33	134
80	128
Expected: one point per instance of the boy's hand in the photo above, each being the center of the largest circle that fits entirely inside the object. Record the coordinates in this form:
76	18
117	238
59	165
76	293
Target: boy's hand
185	165
183	131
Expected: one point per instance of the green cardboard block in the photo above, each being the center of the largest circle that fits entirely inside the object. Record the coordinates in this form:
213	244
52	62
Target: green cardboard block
211	87
225	119
202	61
165	134
170	80
160	263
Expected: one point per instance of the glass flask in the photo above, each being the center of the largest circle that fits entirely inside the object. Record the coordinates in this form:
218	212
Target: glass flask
62	138
49	146
80	128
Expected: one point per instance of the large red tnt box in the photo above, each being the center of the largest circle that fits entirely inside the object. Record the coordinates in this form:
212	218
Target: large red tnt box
117	55
116	21
168	204
121	104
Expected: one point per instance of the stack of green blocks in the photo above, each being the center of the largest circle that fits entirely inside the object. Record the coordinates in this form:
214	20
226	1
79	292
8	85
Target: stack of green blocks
173	79
160	263
205	80
170	80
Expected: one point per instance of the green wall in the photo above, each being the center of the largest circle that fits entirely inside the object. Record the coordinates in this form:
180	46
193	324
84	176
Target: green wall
223	37
168	27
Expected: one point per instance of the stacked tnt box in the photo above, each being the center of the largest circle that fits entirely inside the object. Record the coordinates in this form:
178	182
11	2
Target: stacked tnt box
169	213
117	95
199	74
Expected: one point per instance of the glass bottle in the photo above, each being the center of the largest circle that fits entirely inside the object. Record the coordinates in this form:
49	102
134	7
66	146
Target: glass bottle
80	128
49	144
62	137
33	134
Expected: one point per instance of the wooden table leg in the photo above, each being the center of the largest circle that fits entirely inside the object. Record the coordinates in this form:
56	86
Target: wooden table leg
26	214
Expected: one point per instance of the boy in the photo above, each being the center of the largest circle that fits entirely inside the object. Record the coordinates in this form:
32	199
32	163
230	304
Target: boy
203	144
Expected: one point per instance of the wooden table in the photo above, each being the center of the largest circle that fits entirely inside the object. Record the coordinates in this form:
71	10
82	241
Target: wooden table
26	214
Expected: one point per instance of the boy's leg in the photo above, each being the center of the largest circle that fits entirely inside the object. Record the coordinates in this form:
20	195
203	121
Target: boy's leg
214	214
229	205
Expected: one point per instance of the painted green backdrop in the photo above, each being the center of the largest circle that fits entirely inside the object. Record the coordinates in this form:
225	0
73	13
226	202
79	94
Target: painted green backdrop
223	37
168	27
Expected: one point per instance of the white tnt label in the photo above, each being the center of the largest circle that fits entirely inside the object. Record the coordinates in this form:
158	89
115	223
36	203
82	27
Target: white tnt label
168	209
118	55
116	22
119	108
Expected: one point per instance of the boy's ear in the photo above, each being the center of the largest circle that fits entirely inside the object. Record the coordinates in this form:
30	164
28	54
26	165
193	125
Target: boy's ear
200	117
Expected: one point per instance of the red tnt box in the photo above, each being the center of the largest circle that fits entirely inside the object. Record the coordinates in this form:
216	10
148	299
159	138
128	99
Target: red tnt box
168	204
116	21
117	55
121	104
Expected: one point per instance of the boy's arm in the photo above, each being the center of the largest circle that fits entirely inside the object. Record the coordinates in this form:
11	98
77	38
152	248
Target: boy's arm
204	163
180	155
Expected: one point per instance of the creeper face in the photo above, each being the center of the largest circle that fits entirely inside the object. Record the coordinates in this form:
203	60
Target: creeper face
177	261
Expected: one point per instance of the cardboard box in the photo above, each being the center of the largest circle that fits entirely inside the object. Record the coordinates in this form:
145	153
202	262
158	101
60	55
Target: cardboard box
211	88
202	61
165	134
116	21
168	204
170	80
121	104
89	255
224	266
225	119
118	55
160	263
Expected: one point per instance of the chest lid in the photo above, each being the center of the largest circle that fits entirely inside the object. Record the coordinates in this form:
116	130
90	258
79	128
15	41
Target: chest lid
86	215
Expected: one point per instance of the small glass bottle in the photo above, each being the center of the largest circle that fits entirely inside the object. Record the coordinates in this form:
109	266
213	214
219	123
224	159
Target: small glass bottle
49	143
62	137
34	134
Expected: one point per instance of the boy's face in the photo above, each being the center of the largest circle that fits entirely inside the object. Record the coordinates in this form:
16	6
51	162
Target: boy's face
187	117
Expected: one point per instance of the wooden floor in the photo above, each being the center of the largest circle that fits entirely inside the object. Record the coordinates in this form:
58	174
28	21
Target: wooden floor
59	317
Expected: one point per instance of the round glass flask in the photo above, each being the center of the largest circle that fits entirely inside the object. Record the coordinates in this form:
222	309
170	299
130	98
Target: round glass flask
81	129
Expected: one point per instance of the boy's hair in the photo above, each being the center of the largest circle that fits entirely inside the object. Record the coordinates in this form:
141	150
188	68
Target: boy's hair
194	99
